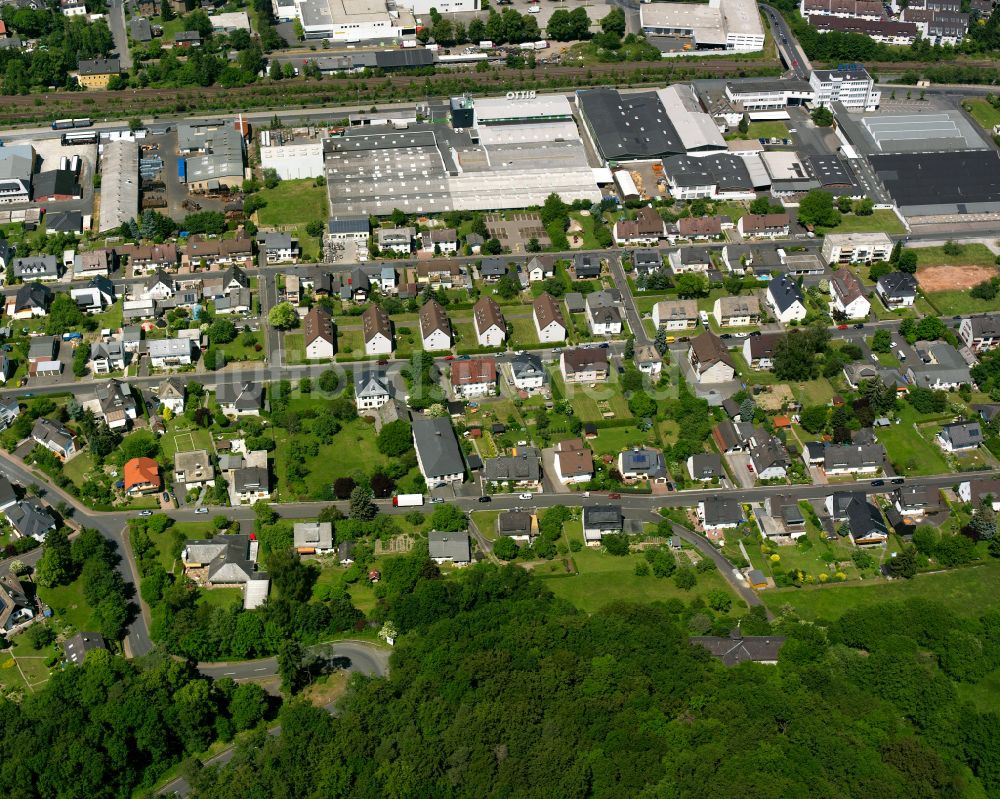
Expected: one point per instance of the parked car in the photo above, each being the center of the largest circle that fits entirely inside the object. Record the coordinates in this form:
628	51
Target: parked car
486	498
383	362
201	510
525	496
898	481
859	326
878	483
145	513
614	495
437	500
841	327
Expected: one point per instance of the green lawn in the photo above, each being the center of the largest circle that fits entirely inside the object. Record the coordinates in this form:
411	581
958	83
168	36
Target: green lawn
909	450
486	521
183	436
814	392
110	317
612	440
221	597
293	202
761	377
953	303
68	604
967	592
984	113
590	403
78	467
295	348
524	333
882	221
603	579
974	254
774	129
586	222
350	343
237	350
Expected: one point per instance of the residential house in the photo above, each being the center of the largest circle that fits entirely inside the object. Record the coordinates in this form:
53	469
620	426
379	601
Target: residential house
527	372
584	365
77	647
229	560
7	494
31	300
42	356
209	253
717	514
28	519
941	367
710	360
371	391
145	258
439	274
453	548
171	395
141	476
97	295
443	242
853	458
387	279
690	259
520	470
9	409
540	267
675	314
248	477
897	290
988	411
233	280
435	327
136	310
438	454
517	525
763	226
293	290
396	240
732	436
705	466
492	269
601	520
475	377
699	227
784	509
981	489
358	286
849	295
317	329
166	353
586	266
980	333
647	229
769	459
278	248
856	248
158	286
96	73
758	351
737	311
237	301
645	262
107	356
93	263
240	399
37	267
131	337
193	469
642	463
574	462
549	323
575	302
15	606
916	500
491	329
855	373
784	296
377	330
960	436
738	648
648	360
54	436
604	315
312	538
865	521
113	402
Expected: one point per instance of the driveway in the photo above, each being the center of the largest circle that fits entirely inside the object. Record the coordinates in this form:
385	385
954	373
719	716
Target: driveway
549	484
116	21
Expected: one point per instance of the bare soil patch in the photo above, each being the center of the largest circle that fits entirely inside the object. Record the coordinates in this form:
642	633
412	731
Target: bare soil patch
953	278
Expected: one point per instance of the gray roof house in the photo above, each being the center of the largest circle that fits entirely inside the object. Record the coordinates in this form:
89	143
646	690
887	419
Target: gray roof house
36	267
865	521
30	520
438	453
522	468
705	466
642	463
736	648
515	524
54	437
449	548
601	520
942	366
313	537
717	512
77	647
230	560
960	436
240	399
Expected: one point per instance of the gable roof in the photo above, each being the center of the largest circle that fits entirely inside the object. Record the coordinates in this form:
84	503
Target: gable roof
474	371
898	284
739	306
784	294
585	358
709	350
722	510
847	286
676	310
452	546
375	321
171	388
437	447
371	384
605	517
525	365
32	295
433	318
318	324
547	311
644	460
487	314
243	396
963	434
736	649
140	471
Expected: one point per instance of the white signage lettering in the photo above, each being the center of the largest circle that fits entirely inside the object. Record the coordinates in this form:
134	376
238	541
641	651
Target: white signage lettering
524	95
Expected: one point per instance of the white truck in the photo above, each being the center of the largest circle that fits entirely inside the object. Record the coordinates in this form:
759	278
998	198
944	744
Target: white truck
408	500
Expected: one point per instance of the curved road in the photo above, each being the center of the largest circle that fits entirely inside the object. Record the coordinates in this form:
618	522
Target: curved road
364	658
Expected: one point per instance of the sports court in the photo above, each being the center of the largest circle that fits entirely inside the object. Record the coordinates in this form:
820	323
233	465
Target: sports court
184	442
930	132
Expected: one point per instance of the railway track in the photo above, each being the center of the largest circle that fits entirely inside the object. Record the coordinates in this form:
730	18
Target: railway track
350	89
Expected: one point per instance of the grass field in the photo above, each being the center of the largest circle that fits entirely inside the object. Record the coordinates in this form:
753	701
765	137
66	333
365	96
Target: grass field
967	592
350	343
236	350
293	202
294	347
613	440
588	402
814	392
78	467
524	333
774	129
603	579
984	113
221	597
952	303
973	254
67	603
486	521
882	221
185	440
909	450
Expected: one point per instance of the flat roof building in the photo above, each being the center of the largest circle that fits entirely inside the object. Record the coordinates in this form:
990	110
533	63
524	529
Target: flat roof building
119	184
732	25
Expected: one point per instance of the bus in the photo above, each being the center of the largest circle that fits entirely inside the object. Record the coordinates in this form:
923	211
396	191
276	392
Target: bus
80	137
63	124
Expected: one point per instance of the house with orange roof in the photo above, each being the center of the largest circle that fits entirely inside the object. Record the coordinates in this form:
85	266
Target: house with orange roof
142	476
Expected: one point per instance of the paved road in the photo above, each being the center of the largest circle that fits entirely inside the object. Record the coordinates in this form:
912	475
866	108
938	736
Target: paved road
116	21
363	657
787	46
